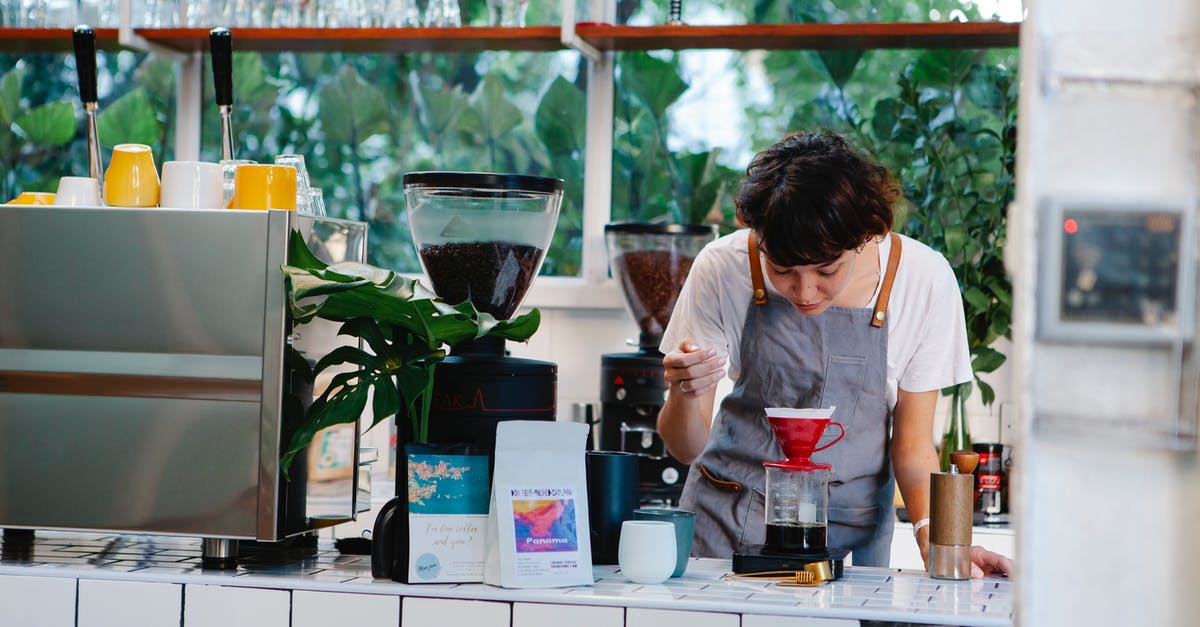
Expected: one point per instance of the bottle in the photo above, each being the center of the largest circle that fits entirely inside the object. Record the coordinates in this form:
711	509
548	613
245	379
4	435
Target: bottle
957	436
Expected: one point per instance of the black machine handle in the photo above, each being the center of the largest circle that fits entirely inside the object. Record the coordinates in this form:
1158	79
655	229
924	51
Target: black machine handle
220	44
84	40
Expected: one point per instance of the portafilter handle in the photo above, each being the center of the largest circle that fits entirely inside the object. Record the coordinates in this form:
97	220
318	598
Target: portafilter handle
83	38
220	44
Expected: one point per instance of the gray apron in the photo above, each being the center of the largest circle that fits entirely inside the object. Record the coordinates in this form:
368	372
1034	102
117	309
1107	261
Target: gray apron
838	357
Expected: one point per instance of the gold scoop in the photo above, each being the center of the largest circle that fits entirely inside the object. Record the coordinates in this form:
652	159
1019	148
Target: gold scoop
814	574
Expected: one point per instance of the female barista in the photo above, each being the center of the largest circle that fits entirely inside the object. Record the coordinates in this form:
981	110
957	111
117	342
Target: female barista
850	315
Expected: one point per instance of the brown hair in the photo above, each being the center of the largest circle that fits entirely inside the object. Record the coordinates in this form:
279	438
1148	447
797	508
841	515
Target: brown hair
811	197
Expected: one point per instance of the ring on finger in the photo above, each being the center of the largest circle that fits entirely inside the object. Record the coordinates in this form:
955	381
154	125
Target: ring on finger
683	386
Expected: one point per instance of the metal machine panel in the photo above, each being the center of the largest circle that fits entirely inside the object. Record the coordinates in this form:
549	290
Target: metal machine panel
142	368
131	464
175	281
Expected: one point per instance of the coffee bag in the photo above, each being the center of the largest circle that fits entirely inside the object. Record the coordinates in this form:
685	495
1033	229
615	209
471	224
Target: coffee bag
537	528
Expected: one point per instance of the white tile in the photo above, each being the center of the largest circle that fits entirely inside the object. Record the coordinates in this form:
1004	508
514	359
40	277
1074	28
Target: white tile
420	612
757	620
551	615
322	609
105	602
37	601
227	606
639	617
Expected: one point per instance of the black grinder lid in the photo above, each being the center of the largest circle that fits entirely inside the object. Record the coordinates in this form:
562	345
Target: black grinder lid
646	228
483	184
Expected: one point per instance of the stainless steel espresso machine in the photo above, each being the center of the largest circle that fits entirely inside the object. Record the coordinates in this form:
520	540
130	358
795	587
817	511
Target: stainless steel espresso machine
146	373
651	262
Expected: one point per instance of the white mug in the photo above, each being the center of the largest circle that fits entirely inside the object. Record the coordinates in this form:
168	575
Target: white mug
77	191
646	553
192	185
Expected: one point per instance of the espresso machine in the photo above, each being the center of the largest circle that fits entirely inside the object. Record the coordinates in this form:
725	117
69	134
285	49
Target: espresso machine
651	262
797	501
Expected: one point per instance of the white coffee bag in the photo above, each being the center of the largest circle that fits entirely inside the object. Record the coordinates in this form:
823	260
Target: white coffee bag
537	529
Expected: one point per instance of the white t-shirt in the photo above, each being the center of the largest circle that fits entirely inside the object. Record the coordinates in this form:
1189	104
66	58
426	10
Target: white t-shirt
927	336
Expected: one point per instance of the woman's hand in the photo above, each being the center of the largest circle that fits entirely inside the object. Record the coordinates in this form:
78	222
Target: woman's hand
985	562
691	370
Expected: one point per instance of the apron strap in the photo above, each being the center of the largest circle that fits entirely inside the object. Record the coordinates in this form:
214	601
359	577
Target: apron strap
885	290
756	277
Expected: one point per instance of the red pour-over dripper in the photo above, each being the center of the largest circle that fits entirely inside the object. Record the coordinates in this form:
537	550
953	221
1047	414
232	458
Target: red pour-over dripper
798	432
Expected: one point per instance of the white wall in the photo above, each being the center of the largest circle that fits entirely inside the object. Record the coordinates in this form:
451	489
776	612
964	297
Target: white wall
1108	113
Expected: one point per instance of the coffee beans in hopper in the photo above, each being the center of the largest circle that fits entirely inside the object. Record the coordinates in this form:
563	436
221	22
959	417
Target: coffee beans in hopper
492	275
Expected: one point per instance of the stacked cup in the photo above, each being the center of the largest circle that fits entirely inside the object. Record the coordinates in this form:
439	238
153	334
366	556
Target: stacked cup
192	185
262	187
131	179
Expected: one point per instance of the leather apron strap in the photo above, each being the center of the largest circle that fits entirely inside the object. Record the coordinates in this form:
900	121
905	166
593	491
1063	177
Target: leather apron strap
756	278
885	291
878	317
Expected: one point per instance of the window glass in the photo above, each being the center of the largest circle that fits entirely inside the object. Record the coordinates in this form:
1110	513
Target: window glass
362	120
717	12
42	132
687	123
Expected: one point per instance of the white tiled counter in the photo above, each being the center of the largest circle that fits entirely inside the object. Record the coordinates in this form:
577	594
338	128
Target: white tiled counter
89	580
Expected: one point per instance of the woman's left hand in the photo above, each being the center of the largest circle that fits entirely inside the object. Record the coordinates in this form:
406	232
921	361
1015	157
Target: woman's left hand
985	562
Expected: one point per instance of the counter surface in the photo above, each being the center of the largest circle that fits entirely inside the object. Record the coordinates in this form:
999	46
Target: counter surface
864	593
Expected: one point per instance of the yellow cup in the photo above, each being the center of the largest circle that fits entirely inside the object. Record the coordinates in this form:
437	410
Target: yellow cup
32	198
131	179
261	187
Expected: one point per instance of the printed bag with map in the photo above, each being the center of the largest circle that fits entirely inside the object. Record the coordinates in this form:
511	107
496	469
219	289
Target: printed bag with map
537	524
436	534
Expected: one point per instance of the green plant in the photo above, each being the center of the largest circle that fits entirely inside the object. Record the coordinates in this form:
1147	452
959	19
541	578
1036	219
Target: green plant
951	134
29	136
651	182
404	326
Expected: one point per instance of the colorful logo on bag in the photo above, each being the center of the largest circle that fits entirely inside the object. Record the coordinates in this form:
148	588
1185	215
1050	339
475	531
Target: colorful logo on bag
428	566
544	525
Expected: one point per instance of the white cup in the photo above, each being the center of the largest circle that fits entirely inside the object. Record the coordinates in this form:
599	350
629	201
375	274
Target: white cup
77	191
646	553
192	185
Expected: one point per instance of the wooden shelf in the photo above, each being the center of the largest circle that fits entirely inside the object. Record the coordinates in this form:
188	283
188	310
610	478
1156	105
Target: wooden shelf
547	38
26	40
863	36
464	39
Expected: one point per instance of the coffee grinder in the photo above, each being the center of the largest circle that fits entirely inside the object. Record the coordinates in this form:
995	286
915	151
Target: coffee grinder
797	499
482	237
651	262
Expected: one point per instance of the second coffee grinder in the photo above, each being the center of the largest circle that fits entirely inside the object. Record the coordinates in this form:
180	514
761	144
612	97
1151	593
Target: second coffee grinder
651	262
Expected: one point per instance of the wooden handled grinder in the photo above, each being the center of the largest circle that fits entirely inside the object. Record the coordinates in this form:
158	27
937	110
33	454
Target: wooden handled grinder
951	506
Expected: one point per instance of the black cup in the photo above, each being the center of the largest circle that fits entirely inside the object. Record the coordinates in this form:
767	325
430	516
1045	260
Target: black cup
612	486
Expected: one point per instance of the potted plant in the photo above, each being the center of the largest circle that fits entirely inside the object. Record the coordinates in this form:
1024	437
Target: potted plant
403	330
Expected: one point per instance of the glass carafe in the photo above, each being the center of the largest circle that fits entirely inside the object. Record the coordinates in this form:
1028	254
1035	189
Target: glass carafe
797	508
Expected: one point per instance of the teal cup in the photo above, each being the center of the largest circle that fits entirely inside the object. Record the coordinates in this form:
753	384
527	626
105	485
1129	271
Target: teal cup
685	526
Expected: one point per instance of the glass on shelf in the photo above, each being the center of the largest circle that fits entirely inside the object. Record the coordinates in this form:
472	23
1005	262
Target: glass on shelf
316	202
507	12
303	194
443	13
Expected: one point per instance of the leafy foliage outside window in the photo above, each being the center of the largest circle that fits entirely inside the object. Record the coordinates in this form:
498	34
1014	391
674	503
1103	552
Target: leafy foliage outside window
362	121
42	134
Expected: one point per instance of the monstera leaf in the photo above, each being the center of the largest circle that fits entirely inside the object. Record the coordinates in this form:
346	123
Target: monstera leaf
129	120
402	322
10	95
559	120
352	109
50	124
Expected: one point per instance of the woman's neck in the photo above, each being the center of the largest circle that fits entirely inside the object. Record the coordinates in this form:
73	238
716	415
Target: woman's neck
860	291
